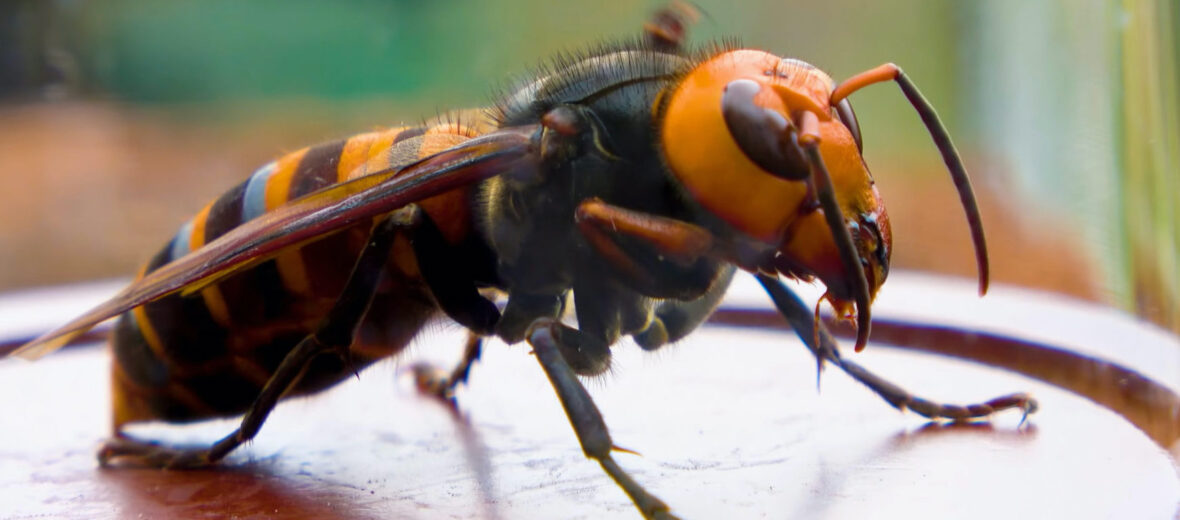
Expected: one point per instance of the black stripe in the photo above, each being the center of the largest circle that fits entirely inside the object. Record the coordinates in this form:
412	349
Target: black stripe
163	256
133	354
224	392
146	372
411	133
259	295
225	214
187	330
255	296
317	169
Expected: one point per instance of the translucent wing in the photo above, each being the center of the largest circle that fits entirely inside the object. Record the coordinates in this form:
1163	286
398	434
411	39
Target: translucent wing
306	219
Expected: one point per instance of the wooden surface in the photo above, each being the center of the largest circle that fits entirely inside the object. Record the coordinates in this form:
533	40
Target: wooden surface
729	424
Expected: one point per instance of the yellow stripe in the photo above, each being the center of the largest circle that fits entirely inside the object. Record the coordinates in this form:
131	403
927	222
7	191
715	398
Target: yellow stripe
384	141
355	154
127	403
214	301
149	333
146	329
433	142
377	156
291	269
278	187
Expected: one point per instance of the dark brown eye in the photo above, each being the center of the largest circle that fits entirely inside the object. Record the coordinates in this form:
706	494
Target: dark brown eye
763	135
880	247
848	117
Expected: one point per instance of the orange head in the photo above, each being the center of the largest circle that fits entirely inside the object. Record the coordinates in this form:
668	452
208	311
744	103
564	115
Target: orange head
771	147
738	133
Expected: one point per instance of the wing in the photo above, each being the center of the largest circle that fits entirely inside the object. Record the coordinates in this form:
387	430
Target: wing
306	219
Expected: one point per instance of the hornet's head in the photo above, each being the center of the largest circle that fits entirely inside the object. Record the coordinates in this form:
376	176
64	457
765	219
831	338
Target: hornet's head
762	143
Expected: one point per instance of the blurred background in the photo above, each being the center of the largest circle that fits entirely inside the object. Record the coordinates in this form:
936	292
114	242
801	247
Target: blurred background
119	119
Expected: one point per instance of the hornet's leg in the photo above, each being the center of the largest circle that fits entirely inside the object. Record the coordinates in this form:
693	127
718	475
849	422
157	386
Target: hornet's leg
801	319
440	384
584	416
673	320
448	274
334	335
652	252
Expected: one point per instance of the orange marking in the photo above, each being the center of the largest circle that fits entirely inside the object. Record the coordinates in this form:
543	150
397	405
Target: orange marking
148	331
214	301
449	210
436	140
376	159
703	155
278	188
127	405
355	154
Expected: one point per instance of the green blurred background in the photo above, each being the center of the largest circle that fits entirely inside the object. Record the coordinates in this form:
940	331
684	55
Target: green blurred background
120	118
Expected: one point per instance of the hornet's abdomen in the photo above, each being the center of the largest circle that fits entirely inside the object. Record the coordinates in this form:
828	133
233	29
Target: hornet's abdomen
208	354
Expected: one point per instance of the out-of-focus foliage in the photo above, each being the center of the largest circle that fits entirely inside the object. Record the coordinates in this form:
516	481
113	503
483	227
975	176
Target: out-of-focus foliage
1079	100
1151	159
446	52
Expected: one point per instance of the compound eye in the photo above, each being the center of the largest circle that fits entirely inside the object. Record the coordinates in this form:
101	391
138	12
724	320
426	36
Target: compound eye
763	135
848	117
880	248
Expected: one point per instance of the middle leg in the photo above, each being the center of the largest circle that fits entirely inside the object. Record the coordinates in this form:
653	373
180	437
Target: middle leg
544	336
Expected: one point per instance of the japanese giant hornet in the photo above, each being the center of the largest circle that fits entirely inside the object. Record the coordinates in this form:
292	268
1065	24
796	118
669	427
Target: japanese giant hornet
632	180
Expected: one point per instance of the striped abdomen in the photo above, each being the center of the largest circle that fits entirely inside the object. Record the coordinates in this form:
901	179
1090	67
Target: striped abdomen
209	354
